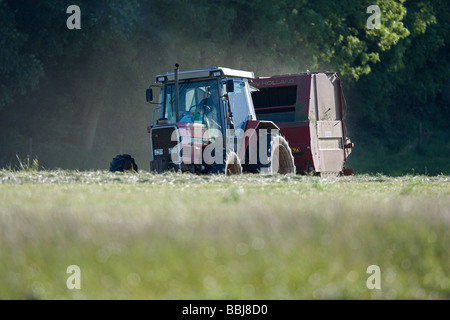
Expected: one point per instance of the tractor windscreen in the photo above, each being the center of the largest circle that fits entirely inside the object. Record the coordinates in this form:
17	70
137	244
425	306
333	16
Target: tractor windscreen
198	102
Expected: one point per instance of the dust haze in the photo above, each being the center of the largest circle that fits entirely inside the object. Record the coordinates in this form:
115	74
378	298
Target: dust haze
84	119
91	105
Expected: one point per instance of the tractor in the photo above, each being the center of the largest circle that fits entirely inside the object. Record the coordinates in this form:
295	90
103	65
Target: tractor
205	123
221	120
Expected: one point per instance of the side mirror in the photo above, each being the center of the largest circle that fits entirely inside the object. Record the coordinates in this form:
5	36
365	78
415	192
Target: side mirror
149	95
230	85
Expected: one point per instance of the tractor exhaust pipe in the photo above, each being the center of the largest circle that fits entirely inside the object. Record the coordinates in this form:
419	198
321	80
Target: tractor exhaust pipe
176	93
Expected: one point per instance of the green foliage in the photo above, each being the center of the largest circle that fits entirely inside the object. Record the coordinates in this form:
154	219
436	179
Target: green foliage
19	70
83	89
407	88
392	28
34	38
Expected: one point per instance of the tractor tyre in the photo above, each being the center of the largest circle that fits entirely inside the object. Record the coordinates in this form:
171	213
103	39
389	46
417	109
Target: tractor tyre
281	157
123	162
232	164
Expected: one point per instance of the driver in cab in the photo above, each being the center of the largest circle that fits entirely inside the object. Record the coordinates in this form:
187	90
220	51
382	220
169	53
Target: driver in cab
200	113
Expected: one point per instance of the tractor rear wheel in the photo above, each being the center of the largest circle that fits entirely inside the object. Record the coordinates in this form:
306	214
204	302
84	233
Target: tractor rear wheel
232	164
281	158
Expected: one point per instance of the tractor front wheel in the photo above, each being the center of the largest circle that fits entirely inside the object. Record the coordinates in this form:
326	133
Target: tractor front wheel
281	158
232	164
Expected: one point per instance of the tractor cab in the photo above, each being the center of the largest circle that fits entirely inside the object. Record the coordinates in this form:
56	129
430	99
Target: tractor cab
198	109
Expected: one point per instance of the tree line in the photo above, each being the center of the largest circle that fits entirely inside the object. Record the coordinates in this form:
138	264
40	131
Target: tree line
72	97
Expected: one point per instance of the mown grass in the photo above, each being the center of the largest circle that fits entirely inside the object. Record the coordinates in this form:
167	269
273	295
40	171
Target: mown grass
181	236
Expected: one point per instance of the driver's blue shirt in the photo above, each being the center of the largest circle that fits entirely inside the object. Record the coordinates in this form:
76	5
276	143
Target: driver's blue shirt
192	117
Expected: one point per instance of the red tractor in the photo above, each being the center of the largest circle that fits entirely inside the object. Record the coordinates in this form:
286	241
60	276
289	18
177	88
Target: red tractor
308	110
205	122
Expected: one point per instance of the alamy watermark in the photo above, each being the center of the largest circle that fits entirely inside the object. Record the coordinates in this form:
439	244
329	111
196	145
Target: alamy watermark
189	148
74	21
374	21
374	280
74	280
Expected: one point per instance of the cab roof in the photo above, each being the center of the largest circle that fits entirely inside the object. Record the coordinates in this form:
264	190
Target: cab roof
205	73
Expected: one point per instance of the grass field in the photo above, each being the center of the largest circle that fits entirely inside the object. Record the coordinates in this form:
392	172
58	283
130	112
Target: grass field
181	236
